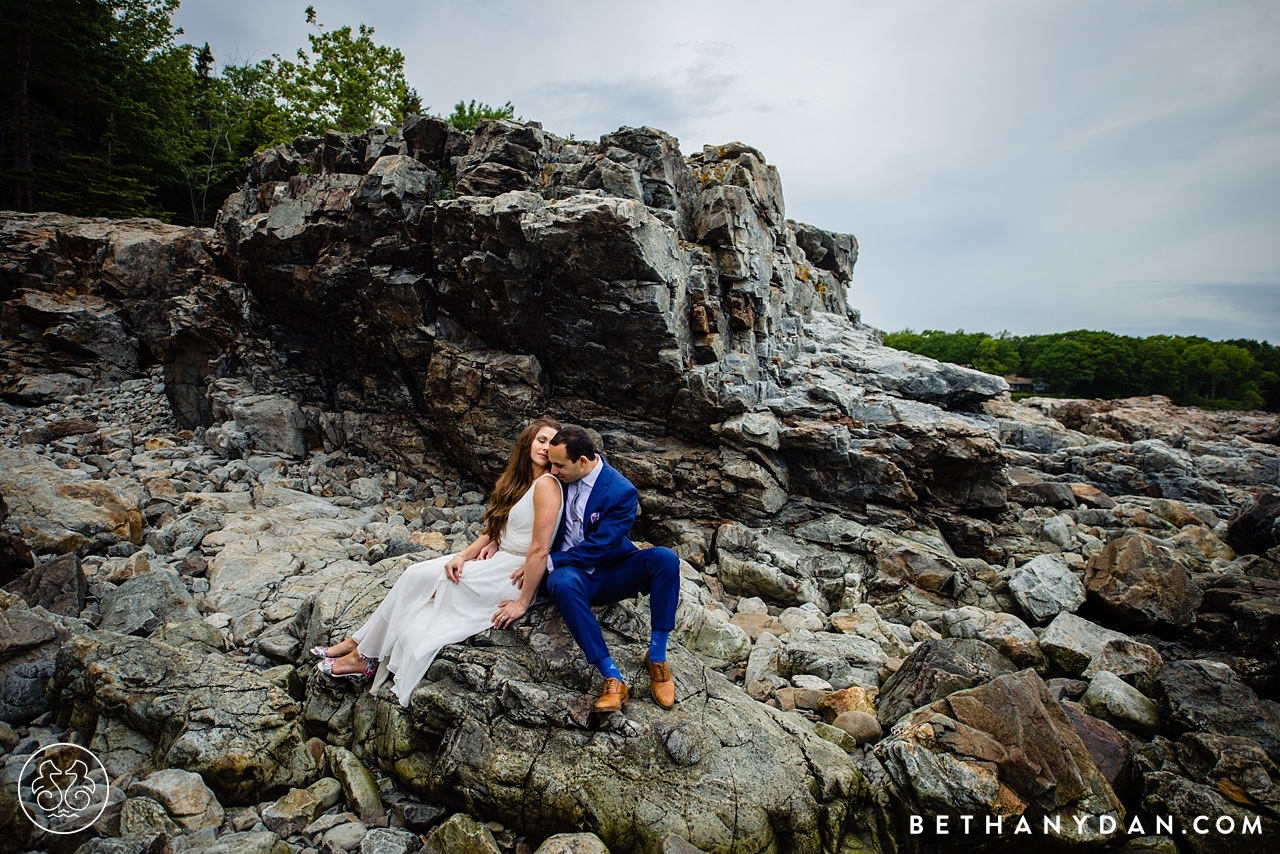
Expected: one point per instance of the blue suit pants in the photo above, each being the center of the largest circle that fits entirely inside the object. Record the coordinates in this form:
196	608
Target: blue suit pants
655	571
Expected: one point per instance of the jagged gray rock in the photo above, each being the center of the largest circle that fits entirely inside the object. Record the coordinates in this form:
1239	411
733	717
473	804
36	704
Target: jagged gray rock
144	603
937	669
1003	748
1045	587
241	734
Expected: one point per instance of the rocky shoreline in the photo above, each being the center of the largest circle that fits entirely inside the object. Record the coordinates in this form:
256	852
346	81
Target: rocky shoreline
902	593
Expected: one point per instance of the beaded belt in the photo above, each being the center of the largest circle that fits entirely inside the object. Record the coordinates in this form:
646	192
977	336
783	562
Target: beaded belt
510	552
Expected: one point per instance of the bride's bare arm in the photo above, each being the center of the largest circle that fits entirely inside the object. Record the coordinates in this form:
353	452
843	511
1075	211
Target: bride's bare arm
547	497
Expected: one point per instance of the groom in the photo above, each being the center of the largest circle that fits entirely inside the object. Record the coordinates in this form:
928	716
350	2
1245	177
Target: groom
593	563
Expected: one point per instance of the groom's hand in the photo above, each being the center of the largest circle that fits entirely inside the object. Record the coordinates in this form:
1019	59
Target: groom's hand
508	612
517	578
490	549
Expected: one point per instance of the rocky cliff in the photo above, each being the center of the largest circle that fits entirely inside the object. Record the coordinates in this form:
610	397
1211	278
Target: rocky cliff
902	593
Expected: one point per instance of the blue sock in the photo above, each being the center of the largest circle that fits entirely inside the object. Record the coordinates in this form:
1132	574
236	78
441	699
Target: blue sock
658	646
608	668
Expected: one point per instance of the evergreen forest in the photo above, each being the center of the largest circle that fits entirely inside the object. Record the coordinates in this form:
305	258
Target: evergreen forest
1193	371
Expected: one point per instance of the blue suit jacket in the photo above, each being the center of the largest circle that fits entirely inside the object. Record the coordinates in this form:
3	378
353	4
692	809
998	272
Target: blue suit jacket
607	519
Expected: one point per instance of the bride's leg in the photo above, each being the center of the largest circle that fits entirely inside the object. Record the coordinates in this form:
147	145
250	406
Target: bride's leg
377	635
352	662
343	648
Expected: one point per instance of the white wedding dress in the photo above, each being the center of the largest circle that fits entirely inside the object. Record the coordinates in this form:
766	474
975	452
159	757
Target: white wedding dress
424	610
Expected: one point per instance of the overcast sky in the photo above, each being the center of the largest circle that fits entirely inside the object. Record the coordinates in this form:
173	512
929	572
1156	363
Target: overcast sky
1030	166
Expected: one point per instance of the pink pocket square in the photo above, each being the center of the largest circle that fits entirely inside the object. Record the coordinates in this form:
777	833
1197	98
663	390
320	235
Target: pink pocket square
595	517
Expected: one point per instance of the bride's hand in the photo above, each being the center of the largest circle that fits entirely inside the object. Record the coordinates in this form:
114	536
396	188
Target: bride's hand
508	612
453	569
490	549
517	578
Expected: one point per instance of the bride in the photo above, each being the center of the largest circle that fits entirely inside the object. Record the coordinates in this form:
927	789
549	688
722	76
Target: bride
491	582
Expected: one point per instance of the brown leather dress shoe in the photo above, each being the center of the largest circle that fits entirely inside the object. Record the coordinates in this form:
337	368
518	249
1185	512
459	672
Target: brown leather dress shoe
612	696
661	685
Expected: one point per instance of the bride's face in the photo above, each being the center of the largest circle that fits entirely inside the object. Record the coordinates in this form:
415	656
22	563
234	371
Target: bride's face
538	451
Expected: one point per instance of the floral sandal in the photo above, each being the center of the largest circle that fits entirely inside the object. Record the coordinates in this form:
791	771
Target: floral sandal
326	667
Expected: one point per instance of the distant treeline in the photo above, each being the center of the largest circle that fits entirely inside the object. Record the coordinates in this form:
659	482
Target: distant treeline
104	113
1237	374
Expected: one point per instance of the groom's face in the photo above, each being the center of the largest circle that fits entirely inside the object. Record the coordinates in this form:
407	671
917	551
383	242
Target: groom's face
565	469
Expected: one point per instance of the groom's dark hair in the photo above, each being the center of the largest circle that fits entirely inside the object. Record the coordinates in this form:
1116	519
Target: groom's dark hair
577	443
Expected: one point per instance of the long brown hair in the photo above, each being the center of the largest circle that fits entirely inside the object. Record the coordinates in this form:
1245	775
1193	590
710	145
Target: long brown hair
515	480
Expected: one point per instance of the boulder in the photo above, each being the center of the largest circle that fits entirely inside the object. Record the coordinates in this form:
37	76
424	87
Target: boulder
345	836
145	603
271	422
15	553
836	736
357	783
1091	497
1207	696
1134	662
1005	748
389	841
842	660
1072	642
1057	495
189	802
779	568
863	620
1205	797
1109	748
61	510
1256	528
461	834
248	842
1241	614
21	631
326	822
198	713
48	388
1238	767
22	694
572	843
936	669
708	633
801	618
1111	699
327	790
836	703
1003	632
142	816
418	817
292	812
672	844
59	586
1143	583
762	663
861	726
1044	587
755	625
153	844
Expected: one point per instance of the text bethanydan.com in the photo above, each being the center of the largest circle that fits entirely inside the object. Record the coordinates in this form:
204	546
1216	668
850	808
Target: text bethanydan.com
1085	825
